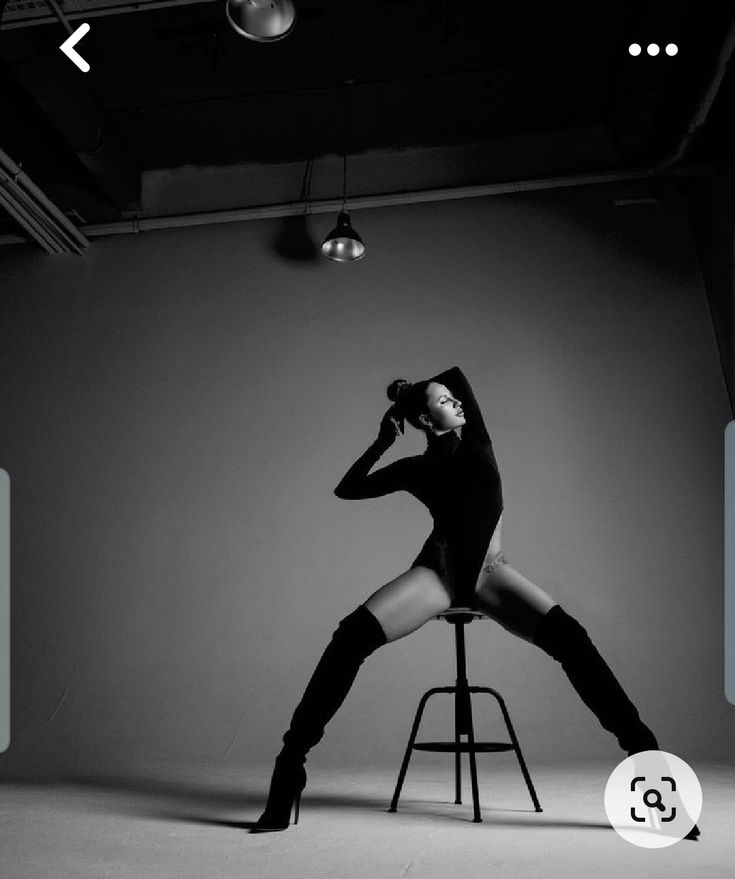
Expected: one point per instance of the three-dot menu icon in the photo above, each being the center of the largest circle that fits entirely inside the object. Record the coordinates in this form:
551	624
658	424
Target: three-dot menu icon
653	49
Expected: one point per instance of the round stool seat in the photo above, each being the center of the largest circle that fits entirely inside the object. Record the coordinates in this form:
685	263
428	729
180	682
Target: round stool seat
461	615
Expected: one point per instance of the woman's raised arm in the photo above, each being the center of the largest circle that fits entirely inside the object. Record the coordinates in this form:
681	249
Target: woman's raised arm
457	383
359	483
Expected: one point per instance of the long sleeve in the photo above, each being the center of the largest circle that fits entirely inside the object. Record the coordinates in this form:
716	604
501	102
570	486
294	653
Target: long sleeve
359	483
457	383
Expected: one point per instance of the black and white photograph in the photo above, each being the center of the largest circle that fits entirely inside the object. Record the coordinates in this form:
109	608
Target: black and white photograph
367	506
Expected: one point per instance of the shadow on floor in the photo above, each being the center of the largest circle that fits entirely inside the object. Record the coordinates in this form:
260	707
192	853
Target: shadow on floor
183	800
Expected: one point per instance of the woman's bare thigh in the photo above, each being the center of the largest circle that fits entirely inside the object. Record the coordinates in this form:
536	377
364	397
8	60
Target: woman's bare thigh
406	603
513	601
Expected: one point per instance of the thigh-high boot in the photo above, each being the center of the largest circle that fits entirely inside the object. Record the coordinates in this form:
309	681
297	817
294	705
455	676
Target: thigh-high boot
563	638
355	638
567	641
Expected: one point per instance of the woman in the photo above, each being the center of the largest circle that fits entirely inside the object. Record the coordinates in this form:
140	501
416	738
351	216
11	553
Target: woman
459	565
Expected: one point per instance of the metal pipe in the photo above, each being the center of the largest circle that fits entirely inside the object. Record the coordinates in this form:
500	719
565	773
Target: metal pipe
288	209
29	224
701	112
60	15
21	180
141	6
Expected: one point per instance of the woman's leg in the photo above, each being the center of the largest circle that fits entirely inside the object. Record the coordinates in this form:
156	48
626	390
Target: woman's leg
396	609
512	600
406	603
526	610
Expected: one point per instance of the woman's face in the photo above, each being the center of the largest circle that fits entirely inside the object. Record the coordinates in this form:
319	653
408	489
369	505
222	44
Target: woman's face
444	410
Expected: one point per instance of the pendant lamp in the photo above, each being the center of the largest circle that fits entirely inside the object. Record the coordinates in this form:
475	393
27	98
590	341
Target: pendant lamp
262	20
343	244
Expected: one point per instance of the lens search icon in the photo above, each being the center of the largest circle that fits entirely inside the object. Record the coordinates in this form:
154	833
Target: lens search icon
653	799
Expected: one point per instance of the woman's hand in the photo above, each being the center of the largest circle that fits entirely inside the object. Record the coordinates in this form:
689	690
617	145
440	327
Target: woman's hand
391	425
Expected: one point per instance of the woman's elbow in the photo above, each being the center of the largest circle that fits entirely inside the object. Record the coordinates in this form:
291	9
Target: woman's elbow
348	493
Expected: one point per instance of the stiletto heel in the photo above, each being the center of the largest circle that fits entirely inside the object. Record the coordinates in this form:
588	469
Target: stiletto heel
287	782
694	834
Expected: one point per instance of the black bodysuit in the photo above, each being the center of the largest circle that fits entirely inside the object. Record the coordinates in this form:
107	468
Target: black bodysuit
457	479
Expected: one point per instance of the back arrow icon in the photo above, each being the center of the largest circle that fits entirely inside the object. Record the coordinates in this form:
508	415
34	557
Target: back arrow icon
67	47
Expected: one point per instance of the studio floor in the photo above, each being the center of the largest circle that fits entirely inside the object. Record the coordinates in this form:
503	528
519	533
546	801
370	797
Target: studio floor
180	820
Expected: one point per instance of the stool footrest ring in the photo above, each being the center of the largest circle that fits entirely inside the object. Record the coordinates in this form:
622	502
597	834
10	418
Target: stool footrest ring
463	747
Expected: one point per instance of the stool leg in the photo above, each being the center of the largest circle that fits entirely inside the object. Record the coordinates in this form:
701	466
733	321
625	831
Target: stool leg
473	762
463	710
409	746
457	752
516	744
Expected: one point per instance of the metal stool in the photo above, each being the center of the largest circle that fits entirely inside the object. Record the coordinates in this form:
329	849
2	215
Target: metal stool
458	617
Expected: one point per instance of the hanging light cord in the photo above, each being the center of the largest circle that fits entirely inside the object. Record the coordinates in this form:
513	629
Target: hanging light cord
346	81
345	146
306	186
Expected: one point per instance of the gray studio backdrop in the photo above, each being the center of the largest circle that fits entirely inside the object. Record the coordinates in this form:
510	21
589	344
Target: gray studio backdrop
178	406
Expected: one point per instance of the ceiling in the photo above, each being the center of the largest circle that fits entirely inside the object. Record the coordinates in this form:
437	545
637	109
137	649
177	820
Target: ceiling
180	113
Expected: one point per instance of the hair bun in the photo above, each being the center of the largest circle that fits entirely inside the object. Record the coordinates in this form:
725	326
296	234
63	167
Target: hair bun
395	388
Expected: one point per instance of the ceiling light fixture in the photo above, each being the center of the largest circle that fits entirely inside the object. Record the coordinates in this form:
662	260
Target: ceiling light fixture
343	244
262	20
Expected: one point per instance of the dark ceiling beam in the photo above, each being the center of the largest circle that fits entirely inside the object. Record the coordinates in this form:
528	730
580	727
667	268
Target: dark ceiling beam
36	145
86	127
662	102
701	111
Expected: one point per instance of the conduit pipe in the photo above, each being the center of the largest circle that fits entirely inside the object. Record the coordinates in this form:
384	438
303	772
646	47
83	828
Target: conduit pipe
265	212
38	215
699	116
60	15
91	12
